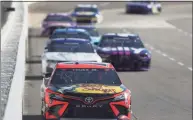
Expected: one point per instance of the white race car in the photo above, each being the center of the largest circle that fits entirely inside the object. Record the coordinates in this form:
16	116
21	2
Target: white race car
66	50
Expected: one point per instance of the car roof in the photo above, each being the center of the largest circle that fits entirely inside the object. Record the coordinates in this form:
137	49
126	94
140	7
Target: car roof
120	34
84	64
86	6
71	29
78	40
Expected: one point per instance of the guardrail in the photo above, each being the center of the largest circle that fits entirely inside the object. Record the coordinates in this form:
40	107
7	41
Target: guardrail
13	109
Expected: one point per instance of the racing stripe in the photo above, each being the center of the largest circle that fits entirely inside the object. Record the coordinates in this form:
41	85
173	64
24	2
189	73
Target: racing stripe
114	50
120	50
126	50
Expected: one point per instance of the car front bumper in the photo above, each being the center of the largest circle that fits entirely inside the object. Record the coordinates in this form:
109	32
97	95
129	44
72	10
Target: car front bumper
128	62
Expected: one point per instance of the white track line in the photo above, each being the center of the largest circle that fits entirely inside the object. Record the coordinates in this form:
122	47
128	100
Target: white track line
185	33
172	59
180	63
165	55
190	68
152	48
158	51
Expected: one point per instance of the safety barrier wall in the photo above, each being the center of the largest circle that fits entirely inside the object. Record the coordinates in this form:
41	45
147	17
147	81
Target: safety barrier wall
16	31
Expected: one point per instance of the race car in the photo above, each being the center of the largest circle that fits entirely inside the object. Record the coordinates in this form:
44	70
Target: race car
93	32
69	49
125	51
56	20
70	33
86	13
84	90
144	7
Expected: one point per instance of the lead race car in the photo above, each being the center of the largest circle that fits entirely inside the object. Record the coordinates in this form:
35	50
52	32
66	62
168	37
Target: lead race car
54	21
84	91
146	7
125	51
86	13
67	49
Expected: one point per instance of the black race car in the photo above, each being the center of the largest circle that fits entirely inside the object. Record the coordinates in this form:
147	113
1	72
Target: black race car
124	51
84	90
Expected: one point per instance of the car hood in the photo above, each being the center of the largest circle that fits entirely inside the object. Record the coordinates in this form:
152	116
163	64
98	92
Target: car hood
89	88
48	24
74	56
122	50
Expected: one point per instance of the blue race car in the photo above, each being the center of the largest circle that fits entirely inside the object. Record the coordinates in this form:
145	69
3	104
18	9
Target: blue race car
144	7
70	33
86	13
125	51
91	29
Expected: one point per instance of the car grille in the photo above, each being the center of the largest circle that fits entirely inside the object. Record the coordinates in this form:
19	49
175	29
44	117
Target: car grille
126	61
100	110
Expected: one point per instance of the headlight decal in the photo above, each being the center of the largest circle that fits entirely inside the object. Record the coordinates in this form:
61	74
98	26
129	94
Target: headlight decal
120	97
54	96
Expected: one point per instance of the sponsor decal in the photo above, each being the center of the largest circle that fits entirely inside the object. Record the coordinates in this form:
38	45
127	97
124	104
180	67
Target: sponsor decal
89	106
93	88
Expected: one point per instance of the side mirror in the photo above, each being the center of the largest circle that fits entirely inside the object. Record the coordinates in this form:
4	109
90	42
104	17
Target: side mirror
9	9
47	75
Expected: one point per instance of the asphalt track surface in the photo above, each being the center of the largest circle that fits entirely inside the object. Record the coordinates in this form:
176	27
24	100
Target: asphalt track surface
162	93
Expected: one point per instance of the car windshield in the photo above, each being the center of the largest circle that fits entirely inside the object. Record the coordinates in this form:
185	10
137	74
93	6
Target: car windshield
86	10
131	41
58	18
70	47
92	31
65	77
80	35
